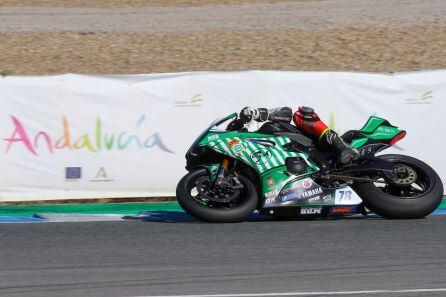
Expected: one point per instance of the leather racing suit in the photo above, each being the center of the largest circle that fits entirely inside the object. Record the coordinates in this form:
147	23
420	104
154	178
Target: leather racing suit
307	121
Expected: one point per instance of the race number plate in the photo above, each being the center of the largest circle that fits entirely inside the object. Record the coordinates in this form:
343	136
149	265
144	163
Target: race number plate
346	196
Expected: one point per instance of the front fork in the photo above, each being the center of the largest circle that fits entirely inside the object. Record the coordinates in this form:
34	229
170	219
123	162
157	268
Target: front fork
223	171
226	174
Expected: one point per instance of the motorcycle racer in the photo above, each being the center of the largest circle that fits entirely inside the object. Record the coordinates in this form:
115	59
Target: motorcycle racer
307	121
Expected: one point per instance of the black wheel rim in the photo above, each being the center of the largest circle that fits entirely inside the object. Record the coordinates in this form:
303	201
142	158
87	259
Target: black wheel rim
402	187
200	190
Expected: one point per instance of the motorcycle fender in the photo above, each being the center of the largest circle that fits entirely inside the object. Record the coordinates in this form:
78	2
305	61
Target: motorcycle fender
212	169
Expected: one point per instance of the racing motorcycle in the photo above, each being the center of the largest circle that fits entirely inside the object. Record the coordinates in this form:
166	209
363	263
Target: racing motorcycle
281	172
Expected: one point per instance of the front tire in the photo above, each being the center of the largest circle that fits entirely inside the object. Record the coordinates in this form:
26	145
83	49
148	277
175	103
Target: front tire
213	213
415	201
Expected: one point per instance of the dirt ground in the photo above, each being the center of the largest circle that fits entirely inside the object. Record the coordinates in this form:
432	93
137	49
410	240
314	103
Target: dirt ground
383	50
352	36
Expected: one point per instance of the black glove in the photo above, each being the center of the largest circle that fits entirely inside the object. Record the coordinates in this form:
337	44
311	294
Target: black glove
249	114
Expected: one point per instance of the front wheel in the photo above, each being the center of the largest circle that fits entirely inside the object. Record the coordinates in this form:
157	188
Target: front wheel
200	199
413	191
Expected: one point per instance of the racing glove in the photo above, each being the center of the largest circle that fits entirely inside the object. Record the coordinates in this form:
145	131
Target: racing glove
347	154
280	114
249	114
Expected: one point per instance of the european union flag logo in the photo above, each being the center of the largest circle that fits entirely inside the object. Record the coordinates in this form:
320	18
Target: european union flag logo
73	172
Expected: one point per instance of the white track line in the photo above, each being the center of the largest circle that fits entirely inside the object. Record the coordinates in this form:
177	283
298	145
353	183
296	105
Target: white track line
309	293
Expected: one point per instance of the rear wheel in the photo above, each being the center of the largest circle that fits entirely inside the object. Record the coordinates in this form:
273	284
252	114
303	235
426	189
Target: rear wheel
224	204
413	191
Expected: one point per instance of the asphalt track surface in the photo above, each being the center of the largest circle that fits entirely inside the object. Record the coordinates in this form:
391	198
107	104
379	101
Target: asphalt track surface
136	258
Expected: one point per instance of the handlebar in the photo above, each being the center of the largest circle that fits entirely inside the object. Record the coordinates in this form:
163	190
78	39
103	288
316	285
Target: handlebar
235	125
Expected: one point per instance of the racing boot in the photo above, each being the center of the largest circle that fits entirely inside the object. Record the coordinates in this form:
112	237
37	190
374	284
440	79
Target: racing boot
347	154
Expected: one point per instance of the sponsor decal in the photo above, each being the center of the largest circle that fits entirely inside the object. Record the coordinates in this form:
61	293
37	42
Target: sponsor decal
311	193
386	130
302	195
327	197
425	98
343	209
73	173
314	199
281	118
213	137
261	156
101	176
309	124
307	183
195	101
235	145
238	148
270	200
234	142
270	182
290	196
310	210
271	193
100	140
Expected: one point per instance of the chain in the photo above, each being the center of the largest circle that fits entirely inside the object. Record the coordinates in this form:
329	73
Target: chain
344	177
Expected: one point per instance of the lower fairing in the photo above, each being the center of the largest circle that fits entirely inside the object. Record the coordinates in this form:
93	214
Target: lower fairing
306	191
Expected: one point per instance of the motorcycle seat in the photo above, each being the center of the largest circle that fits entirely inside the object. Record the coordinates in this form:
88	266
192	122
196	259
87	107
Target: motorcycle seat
352	134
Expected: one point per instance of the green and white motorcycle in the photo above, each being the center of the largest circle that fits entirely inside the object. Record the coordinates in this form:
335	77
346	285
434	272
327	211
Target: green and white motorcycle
280	172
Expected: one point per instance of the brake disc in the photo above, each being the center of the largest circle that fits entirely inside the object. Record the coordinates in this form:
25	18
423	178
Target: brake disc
223	193
403	175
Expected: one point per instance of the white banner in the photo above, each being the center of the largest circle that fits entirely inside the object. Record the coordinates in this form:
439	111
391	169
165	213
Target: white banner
78	136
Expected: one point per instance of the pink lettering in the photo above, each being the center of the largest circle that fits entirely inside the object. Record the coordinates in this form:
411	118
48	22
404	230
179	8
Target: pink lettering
19	135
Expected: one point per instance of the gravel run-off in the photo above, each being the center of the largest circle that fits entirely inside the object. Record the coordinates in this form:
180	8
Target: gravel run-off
120	37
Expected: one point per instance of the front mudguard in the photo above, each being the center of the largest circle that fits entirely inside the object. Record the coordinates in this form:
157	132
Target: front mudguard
212	170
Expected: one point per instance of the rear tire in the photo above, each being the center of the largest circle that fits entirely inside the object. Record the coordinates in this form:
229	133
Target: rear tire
215	215
394	207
